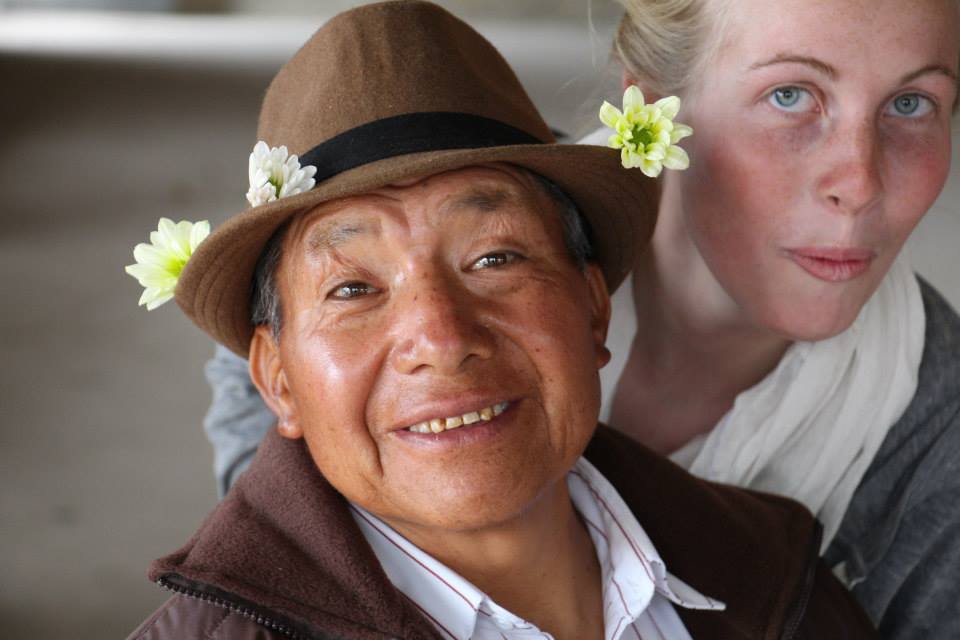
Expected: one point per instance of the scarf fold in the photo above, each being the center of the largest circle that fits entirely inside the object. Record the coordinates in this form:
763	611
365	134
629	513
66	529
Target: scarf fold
810	429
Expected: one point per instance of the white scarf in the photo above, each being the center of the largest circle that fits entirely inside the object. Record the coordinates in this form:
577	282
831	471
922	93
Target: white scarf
810	429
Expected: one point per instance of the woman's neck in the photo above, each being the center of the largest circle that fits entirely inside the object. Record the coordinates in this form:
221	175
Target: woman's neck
693	352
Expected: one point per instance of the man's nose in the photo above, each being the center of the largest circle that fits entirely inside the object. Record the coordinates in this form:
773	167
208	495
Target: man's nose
437	325
851	167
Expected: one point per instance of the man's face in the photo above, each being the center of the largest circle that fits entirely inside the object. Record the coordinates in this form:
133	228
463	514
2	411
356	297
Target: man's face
417	307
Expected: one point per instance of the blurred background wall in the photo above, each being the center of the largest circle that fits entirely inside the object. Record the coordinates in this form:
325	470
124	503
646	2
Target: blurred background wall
112	114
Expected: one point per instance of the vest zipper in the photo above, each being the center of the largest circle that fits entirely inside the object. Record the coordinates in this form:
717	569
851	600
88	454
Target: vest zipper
284	629
806	587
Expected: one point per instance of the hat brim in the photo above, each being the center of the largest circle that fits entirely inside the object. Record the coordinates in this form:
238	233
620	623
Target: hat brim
619	205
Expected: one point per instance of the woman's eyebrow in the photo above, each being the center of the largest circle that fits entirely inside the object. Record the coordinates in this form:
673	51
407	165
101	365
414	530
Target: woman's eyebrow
930	68
787	58
831	72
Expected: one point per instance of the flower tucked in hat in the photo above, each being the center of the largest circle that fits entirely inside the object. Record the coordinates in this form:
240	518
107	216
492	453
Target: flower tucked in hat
274	174
646	133
159	263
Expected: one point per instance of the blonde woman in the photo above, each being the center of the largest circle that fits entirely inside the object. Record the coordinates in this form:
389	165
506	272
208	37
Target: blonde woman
783	344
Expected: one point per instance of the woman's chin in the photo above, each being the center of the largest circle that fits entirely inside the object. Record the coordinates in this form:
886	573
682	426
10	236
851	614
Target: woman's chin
811	320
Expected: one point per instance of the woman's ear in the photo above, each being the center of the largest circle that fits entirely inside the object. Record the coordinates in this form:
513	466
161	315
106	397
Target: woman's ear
627	79
267	373
599	312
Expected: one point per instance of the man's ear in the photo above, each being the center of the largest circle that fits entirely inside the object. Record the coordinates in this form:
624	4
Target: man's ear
599	312
267	373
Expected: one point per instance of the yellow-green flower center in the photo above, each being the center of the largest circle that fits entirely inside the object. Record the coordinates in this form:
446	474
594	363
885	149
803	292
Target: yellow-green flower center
277	183
642	136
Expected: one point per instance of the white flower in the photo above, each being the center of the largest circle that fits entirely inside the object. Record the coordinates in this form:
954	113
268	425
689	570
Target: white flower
160	263
646	133
274	173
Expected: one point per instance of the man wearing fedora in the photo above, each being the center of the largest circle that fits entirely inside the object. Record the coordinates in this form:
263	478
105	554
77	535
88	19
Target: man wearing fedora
427	323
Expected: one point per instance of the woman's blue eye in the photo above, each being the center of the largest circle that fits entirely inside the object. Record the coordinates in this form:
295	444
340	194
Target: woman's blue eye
794	99
497	259
351	290
911	105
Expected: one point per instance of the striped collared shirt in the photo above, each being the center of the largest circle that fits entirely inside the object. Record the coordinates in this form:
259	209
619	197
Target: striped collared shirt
639	594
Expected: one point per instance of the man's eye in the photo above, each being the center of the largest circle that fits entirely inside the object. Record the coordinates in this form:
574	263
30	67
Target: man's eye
910	105
496	259
351	290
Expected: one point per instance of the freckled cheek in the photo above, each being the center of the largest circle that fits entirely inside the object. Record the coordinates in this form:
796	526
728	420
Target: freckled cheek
739	196
916	169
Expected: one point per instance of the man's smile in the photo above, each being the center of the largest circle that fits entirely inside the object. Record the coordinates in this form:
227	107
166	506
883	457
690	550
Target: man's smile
439	425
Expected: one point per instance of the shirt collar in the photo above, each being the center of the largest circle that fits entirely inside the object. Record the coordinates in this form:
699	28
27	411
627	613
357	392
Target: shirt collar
632	570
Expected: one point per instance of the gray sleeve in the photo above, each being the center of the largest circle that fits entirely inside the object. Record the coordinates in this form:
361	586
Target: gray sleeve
237	419
926	560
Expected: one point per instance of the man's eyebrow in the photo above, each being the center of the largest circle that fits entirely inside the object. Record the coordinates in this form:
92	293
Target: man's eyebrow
326	237
484	199
786	58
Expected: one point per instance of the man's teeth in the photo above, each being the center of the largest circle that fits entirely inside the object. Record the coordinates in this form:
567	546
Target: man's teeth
439	425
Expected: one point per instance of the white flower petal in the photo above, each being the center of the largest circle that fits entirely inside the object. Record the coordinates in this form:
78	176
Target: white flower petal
651	168
629	159
610	115
680	131
669	107
676	159
147	254
154	279
655	151
159	300
263	194
632	98
181	239
198	234
260	152
154	297
167	228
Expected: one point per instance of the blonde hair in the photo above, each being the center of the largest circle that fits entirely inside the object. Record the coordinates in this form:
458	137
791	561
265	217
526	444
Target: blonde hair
664	43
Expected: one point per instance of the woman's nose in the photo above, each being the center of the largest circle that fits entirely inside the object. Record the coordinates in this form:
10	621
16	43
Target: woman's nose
851	171
436	325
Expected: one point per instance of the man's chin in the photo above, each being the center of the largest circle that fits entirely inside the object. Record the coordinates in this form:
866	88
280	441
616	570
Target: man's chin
462	513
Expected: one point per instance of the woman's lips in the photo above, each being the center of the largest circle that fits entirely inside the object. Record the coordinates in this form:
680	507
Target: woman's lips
833	264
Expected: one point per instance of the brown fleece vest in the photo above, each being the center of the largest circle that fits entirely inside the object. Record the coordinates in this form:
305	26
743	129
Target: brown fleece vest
282	547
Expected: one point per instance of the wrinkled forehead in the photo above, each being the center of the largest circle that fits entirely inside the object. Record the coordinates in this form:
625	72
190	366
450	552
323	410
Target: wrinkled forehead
497	192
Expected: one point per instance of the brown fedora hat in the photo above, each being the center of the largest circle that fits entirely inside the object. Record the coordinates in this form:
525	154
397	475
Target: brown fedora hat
398	90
